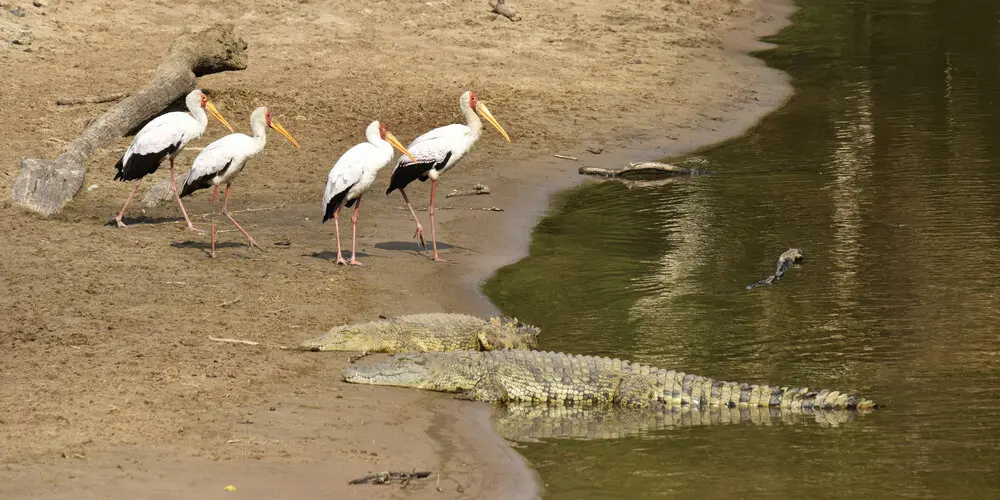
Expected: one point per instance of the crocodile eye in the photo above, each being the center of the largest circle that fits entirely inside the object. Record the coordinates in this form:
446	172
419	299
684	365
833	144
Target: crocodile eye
419	360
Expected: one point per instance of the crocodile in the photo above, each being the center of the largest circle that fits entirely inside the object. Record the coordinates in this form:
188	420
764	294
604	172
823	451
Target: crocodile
565	379
521	422
427	332
785	261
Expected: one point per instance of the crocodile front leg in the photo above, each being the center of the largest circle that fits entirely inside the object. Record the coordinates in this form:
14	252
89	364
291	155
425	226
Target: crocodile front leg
488	388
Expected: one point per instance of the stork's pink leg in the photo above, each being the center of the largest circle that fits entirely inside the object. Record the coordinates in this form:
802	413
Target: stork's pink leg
433	233
130	195
420	229
225	211
177	196
215	196
336	224
354	233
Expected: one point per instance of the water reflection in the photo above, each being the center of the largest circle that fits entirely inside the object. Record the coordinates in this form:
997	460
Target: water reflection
885	168
532	423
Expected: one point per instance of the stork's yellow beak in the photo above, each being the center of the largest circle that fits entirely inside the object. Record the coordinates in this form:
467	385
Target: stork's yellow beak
218	116
281	130
398	145
485	113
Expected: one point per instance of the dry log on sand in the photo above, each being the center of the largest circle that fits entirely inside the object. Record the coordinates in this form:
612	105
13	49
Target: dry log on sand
46	186
643	170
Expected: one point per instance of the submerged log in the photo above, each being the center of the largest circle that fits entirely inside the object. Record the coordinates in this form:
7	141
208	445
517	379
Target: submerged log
46	186
648	169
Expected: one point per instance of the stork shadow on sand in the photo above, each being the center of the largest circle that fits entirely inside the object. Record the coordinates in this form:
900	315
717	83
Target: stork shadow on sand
207	246
410	246
143	220
331	255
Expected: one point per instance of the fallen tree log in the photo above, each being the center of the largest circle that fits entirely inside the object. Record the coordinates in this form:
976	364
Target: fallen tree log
46	186
646	170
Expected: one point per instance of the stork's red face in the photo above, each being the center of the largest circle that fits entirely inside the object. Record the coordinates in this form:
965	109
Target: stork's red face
204	100
481	109
382	130
267	118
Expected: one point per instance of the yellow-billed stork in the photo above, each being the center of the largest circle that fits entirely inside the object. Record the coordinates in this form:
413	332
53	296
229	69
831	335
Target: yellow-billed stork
439	150
353	174
222	160
164	137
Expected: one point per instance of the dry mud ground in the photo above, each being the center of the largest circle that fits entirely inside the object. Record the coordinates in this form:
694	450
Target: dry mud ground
109	386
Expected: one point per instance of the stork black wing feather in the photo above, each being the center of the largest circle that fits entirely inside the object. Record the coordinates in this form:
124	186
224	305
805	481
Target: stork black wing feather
404	174
202	182
139	166
335	202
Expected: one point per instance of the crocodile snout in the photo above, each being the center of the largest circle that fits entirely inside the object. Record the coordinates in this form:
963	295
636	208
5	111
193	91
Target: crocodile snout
349	373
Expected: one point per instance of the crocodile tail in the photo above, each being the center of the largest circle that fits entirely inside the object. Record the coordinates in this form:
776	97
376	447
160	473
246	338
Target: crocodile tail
766	281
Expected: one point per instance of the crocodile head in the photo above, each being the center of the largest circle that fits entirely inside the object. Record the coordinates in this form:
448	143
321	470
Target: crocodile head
343	338
508	333
438	371
796	254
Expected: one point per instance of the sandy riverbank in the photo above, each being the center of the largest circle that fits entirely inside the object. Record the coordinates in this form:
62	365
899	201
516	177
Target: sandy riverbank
110	386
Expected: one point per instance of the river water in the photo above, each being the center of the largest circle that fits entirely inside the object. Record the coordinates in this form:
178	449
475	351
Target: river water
884	168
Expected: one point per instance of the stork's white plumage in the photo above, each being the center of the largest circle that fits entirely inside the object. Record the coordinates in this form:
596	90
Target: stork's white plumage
439	150
221	161
164	137
353	174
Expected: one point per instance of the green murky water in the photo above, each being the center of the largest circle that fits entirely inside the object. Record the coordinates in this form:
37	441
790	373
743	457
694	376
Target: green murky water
885	168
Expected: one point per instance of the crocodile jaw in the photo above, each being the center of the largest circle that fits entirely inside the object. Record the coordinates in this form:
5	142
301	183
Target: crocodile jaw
416	370
377	374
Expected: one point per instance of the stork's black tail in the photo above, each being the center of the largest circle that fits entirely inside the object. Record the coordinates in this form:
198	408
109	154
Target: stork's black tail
139	166
120	167
406	173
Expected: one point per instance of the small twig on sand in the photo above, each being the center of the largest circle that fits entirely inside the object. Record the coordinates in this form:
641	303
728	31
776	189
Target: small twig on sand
73	101
564	157
230	302
233	341
477	189
501	7
387	477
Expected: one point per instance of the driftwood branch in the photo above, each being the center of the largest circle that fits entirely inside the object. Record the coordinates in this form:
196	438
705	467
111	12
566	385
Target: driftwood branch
73	101
643	170
45	186
388	477
500	7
